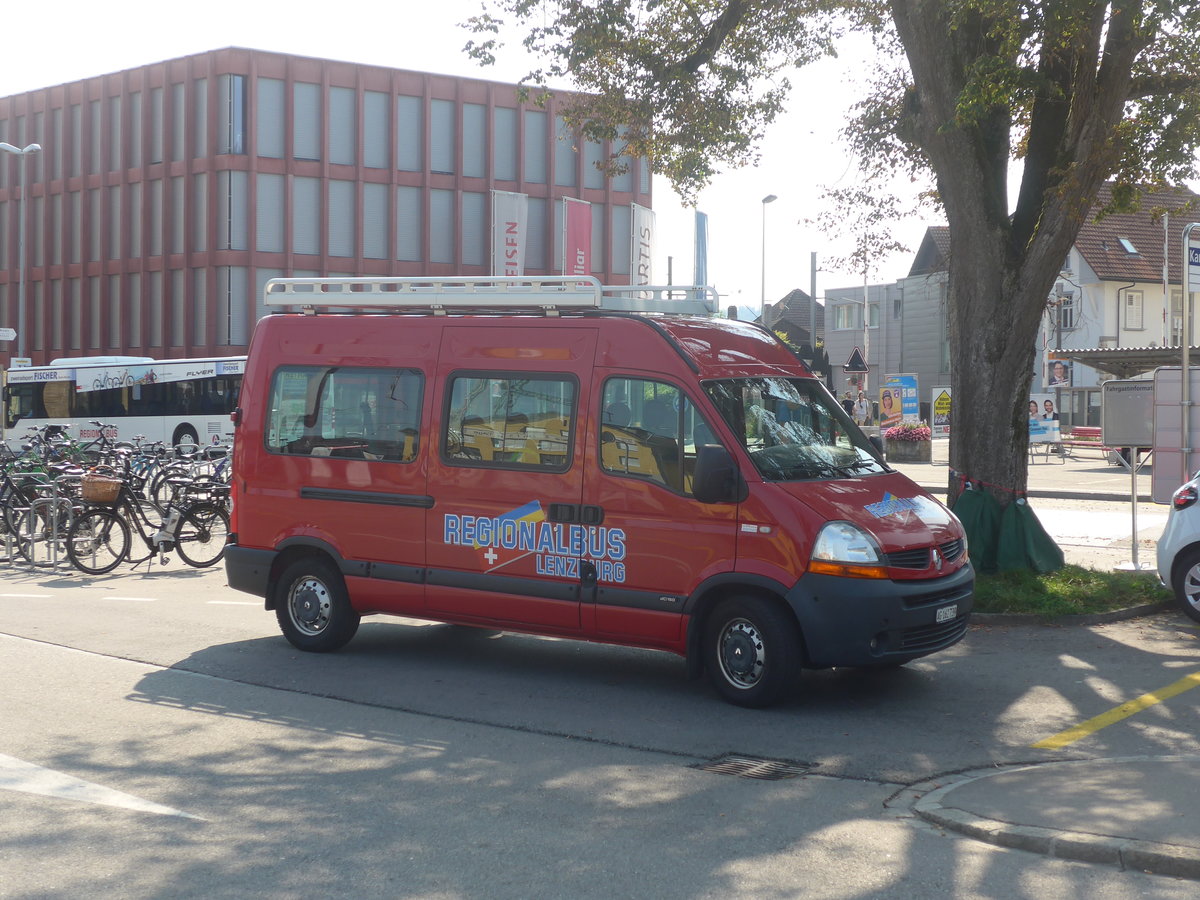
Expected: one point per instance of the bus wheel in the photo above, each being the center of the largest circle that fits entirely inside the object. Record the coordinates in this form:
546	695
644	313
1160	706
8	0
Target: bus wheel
313	606
185	434
752	651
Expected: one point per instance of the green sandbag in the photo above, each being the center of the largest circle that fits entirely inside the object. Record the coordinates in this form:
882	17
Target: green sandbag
1023	542
980	516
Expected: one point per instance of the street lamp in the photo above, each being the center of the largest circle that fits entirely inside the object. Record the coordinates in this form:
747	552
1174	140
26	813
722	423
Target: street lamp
762	305
22	153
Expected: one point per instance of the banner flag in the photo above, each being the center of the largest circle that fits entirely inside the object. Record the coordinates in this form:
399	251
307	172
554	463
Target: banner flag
510	223
577	237
641	247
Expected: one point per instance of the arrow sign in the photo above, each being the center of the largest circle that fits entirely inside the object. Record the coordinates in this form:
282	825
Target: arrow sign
855	363
8	334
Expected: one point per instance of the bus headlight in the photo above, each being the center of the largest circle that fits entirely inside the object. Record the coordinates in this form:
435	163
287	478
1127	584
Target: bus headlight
846	550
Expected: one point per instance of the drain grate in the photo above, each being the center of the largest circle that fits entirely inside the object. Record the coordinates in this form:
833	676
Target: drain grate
753	767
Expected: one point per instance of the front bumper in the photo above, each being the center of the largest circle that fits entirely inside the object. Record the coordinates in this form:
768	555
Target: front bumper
866	622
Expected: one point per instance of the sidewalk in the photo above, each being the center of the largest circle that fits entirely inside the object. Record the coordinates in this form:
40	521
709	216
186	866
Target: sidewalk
1138	813
1075	478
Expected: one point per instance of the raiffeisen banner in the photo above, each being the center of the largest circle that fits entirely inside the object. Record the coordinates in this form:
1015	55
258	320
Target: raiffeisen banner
510	226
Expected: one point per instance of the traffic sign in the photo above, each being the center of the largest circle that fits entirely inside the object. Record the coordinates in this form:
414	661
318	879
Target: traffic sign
8	334
1194	265
855	363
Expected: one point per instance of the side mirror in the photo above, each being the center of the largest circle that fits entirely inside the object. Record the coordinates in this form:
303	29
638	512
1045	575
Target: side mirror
877	443
716	478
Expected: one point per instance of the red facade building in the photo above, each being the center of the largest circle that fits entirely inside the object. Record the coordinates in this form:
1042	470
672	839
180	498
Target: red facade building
165	196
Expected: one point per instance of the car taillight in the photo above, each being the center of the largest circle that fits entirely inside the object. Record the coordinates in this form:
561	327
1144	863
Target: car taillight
1185	496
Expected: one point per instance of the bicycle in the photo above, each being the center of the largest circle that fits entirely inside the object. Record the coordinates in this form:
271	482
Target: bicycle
100	538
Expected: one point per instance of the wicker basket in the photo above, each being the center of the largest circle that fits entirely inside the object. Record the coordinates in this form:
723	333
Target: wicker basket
100	488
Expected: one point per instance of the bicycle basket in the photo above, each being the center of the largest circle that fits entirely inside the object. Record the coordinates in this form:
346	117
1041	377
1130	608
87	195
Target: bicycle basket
99	488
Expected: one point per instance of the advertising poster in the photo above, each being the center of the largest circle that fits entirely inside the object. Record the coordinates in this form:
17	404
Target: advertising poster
1043	419
641	246
898	401
939	403
1058	373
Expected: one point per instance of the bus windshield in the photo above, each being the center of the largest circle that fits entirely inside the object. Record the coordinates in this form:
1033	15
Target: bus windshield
793	429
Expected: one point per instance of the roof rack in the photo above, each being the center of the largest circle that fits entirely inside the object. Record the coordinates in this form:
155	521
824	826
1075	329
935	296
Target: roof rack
439	294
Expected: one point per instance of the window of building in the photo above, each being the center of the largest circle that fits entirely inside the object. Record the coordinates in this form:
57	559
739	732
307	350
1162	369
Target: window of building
76	140
1067	312
178	124
95	321
623	180
269	136
199	306
1177	317
57	150
598	212
178	239
56	228
442	136
268	213
156	217
535	146
133	303
504	152
346	412
474	229
376	128
376	233
95	118
114	311
441	226
410	134
156	309
56	315
306	120
474	142
510	421
649	430
566	154
343	126
232	220
134	145
409	224
1133	310
95	228
156	126
116	147
178	308
200	118
200	212
306	215
593	157
341	218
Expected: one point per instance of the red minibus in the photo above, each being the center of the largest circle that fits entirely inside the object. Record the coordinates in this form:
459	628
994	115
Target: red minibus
556	457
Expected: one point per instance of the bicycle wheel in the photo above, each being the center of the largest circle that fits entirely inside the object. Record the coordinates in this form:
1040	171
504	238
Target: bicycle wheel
42	529
98	541
201	533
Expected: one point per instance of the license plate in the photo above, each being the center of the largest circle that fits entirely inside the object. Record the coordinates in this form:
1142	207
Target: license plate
946	613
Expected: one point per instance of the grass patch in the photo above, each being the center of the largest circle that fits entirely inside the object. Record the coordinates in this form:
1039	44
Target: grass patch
1071	591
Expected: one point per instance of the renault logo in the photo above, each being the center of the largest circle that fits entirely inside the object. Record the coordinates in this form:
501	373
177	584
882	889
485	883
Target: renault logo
937	559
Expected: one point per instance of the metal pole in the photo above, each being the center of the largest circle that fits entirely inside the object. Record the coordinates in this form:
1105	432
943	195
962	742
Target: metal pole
762	304
1186	342
21	264
27	151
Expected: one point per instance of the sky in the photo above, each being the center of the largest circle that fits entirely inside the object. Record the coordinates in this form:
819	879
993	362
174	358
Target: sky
801	155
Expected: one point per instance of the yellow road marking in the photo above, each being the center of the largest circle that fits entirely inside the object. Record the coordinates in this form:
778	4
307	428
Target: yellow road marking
1124	711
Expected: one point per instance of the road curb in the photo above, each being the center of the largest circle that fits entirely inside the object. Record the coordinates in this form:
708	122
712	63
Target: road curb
926	800
1116	615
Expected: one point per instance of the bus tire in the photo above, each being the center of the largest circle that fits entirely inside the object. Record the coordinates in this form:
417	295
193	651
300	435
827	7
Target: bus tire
752	651
313	607
185	434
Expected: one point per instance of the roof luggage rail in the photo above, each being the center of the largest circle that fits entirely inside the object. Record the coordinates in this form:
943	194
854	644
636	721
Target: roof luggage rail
550	294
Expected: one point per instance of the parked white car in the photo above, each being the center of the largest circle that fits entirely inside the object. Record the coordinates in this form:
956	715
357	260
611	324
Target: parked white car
1179	548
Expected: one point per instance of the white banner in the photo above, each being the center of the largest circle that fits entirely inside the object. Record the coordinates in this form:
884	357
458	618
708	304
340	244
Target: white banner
510	223
641	257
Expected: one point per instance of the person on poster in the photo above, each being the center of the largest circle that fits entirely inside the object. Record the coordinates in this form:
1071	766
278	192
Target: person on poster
1060	374
889	411
1033	411
1049	414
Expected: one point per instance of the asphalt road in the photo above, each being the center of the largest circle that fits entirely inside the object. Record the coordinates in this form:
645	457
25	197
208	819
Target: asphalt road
161	739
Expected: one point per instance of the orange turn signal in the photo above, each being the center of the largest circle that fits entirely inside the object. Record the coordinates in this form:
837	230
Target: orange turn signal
845	570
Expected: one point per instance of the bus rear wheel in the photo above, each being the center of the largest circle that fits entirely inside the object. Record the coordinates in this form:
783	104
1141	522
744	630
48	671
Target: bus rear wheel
313	607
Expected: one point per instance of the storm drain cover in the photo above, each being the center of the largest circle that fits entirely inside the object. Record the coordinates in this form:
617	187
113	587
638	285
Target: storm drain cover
753	767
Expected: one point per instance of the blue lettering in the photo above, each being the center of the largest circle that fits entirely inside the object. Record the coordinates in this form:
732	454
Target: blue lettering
451	533
545	543
595	544
616	544
508	535
468	529
485	532
526	538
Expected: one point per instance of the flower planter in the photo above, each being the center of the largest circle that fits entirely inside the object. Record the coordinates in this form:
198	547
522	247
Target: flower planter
909	451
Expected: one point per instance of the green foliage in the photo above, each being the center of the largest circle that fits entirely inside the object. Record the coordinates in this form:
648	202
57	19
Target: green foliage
1072	590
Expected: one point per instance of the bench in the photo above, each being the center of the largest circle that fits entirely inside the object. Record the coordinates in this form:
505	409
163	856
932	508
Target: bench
1088	437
